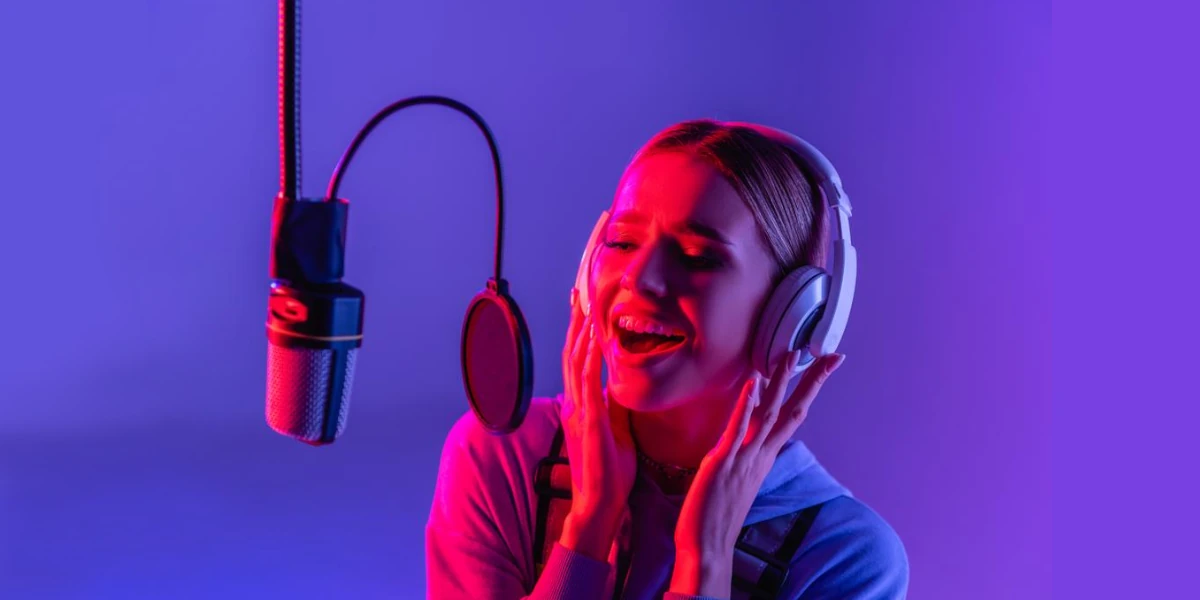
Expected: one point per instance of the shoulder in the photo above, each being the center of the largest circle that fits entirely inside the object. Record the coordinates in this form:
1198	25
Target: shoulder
483	508
852	552
469	441
477	461
859	528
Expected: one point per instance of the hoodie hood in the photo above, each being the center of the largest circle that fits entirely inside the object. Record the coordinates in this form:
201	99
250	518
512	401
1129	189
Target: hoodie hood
796	481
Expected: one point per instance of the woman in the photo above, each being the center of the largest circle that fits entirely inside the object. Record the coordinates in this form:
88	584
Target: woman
686	444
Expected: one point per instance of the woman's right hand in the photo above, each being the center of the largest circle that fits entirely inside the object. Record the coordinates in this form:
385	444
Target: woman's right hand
599	443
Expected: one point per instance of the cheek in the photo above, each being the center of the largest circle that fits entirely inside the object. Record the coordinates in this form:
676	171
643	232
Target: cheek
726	319
721	336
605	281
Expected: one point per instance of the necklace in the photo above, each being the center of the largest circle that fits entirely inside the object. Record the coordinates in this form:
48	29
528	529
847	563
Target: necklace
668	471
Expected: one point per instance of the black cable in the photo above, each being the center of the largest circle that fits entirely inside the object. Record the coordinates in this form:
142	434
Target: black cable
289	99
336	181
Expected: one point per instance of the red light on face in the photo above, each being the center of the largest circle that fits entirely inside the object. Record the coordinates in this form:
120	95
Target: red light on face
288	309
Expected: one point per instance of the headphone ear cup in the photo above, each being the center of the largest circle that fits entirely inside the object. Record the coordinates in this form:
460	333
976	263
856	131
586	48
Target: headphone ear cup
585	263
788	319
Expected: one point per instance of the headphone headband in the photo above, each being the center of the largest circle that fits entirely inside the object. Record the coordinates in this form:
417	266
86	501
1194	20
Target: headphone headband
828	333
827	178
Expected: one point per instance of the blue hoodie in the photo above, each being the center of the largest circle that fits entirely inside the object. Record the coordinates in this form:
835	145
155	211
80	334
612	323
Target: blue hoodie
479	537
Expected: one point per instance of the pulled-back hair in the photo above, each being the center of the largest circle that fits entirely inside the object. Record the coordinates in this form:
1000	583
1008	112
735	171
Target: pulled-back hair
769	178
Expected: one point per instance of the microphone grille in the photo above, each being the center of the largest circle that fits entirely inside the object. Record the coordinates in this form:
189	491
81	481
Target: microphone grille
298	390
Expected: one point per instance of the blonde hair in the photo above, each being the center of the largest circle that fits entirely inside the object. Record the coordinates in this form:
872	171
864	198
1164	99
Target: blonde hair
770	179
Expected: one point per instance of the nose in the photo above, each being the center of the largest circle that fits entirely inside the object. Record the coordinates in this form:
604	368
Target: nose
644	274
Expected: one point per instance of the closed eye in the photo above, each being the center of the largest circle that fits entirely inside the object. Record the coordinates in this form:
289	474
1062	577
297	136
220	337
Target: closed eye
618	245
701	262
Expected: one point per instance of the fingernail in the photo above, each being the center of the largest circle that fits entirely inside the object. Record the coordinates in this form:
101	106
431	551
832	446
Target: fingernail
574	294
841	358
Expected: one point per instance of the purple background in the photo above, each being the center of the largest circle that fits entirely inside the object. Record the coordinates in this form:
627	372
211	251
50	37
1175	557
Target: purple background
1123	196
140	158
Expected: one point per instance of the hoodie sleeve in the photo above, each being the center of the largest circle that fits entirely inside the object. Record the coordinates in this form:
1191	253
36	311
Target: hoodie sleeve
851	554
476	538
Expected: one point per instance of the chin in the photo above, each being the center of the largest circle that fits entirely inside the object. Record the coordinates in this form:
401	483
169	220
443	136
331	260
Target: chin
641	393
651	391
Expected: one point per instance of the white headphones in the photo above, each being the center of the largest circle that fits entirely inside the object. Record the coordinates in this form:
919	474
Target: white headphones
809	308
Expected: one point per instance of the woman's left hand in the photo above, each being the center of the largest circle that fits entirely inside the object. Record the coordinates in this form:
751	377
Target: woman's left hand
731	474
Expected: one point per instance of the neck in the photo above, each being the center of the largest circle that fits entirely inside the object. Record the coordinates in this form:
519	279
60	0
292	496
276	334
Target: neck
682	435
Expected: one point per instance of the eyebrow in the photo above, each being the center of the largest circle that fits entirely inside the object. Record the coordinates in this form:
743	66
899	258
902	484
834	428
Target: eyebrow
691	226
709	232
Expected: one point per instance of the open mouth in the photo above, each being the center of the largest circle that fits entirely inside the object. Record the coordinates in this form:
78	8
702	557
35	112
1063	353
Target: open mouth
639	337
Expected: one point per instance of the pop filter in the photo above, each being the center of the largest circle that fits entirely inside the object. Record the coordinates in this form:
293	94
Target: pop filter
497	359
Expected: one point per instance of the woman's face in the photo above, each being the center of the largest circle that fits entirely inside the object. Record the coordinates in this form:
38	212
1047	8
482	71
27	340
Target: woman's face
678	281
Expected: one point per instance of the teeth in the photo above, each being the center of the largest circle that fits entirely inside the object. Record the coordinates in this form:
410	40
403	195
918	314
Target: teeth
637	325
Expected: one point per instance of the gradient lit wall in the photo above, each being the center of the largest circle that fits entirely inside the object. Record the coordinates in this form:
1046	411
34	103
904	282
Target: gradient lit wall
139	152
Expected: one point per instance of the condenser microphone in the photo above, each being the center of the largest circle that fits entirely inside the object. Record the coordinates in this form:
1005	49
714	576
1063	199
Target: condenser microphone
314	322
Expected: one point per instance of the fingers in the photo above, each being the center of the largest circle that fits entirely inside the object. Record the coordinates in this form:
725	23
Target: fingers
569	370
739	422
574	324
796	408
769	408
590	374
580	352
581	326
